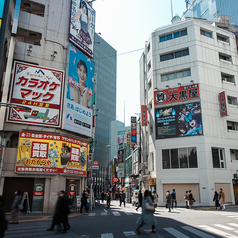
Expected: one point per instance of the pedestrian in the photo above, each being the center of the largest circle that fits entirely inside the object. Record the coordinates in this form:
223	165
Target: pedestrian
216	200
122	198
15	208
186	199
61	213
147	215
3	221
108	199
155	196
168	200
102	196
84	202
222	199
191	199
139	200
174	201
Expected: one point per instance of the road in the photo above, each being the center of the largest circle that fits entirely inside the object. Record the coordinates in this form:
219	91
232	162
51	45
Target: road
120	222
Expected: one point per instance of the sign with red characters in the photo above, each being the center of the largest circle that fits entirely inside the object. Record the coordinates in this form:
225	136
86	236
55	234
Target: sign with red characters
178	94
143	115
223	107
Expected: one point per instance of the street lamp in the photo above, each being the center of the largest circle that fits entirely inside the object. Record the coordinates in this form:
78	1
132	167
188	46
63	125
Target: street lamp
4	135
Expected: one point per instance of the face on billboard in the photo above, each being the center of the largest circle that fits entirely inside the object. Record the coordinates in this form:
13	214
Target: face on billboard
178	121
82	26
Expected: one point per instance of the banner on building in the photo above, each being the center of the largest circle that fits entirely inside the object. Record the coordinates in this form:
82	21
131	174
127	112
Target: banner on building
151	181
39	88
52	154
133	131
223	106
143	115
82	26
178	94
128	138
135	162
121	142
178	121
79	93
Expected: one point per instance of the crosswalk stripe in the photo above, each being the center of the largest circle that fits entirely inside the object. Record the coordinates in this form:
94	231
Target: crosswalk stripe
225	227
91	214
233	224
128	213
107	235
116	214
197	232
103	213
129	233
216	231
176	233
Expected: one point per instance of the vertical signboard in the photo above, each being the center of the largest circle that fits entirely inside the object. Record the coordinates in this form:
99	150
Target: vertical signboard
82	26
39	88
79	93
143	115
2	2
223	107
133	131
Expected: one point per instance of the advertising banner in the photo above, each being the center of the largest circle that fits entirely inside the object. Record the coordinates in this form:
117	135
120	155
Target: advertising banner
2	2
178	94
82	26
121	142
133	131
223	107
40	89
143	115
79	93
52	154
178	120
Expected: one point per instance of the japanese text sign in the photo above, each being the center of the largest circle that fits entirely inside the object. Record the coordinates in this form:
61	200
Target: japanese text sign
52	154
223	107
40	89
82	26
133	131
176	94
143	115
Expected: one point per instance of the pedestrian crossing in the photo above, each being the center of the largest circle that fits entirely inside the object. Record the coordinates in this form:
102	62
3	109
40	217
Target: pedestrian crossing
229	230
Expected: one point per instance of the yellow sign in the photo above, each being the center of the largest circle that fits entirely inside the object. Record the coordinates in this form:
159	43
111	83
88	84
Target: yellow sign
49	153
112	169
151	181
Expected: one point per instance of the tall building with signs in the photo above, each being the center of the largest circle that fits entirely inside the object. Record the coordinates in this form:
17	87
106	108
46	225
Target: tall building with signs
49	80
188	80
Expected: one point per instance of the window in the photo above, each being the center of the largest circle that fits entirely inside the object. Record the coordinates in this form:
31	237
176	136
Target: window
27	36
174	55
224	57
224	39
180	158
173	35
149	85
231	125
32	7
227	78
149	66
176	75
218	158
234	154
232	100
206	33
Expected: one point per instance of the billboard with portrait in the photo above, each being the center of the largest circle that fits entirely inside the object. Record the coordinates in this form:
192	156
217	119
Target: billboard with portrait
82	26
39	88
178	120
52	154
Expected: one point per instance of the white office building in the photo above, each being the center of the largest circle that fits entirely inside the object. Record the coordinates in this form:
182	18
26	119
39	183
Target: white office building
188	80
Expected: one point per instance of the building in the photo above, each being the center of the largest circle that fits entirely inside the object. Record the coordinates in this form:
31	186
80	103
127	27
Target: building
212	9
53	72
188	81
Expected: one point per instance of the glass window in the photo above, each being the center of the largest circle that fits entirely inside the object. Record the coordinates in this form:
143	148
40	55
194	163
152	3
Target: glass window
176	75
183	159
166	159
218	158
169	36
208	34
162	38
166	57
174	159
193	157
184	32
177	34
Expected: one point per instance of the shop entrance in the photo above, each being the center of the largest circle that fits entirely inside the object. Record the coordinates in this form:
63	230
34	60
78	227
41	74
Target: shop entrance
72	190
13	184
38	194
235	188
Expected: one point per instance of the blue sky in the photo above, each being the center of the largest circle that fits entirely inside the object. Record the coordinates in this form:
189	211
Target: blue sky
126	25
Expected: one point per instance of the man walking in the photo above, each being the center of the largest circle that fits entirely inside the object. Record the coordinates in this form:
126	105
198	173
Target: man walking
122	198
174	201
139	200
222	199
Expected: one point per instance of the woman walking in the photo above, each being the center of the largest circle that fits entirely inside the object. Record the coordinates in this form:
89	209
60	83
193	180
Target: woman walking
216	200
168	200
147	215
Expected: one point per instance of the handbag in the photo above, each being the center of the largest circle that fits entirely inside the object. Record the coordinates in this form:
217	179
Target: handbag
149	207
20	207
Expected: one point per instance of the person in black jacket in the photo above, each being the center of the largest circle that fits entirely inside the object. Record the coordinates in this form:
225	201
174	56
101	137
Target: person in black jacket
139	200
14	207
3	221
216	199
84	202
174	201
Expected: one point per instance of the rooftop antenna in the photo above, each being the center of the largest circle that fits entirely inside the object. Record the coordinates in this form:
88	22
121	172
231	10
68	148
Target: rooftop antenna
172	9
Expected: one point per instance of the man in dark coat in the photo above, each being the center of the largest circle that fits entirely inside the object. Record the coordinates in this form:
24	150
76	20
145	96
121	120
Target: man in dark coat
139	200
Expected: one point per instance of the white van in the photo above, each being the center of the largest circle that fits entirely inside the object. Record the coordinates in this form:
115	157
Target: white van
135	197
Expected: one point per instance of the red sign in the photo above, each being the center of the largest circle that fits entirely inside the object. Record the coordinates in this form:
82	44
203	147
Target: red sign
38	193
90	156
74	154
95	163
178	94
143	115
71	193
115	180
39	150
223	107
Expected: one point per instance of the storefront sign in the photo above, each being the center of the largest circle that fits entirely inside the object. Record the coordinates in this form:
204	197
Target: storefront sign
178	94
39	88
143	115
82	26
38	193
51	154
151	181
223	107
71	193
178	121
